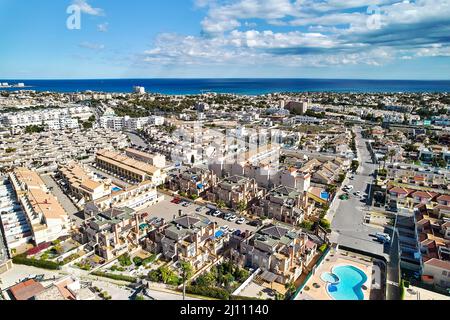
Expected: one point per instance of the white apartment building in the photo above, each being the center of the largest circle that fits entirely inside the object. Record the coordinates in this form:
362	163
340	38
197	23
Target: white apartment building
139	89
47	217
62	123
39	117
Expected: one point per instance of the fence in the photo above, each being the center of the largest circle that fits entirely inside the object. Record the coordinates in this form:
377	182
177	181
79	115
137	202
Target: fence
311	273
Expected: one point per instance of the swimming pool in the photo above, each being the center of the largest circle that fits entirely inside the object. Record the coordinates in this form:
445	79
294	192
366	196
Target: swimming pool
349	286
116	189
219	233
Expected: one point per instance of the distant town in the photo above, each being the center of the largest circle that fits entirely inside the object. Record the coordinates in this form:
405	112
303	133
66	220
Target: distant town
283	196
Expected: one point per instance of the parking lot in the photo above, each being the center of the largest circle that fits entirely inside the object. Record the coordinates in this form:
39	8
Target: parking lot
169	211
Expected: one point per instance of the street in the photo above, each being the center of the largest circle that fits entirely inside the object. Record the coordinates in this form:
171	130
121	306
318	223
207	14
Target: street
348	222
348	225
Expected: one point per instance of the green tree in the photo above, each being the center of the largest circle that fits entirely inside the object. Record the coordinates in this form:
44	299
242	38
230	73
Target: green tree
242	206
166	274
221	204
205	280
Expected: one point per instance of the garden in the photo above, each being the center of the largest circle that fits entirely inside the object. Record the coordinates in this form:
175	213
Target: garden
219	282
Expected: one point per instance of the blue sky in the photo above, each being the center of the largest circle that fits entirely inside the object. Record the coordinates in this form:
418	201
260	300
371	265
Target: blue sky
366	39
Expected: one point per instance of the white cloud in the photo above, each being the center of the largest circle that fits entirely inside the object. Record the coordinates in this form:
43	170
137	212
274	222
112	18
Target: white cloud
86	8
314	33
103	27
92	46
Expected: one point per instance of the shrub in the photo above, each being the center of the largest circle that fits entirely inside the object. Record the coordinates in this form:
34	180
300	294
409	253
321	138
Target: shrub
154	276
137	261
149	260
43	264
125	260
211	292
323	247
114	276
306	224
324	223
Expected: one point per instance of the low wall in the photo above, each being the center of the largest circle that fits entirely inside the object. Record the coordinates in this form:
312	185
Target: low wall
246	282
6	266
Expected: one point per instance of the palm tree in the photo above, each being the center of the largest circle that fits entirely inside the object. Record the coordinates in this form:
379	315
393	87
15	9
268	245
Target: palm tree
391	154
186	269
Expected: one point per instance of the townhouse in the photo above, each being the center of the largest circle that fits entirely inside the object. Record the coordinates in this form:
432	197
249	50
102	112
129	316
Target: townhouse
283	204
193	181
280	252
112	232
234	191
47	149
187	239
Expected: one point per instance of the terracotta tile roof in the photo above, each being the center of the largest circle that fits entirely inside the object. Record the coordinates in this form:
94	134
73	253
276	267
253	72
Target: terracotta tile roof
444	197
26	290
439	263
425	194
400	190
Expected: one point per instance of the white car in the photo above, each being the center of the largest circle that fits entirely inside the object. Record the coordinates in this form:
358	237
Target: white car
227	216
241	221
217	213
231	231
225	228
233	218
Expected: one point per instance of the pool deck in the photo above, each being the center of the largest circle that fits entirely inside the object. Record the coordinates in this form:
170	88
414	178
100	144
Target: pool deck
315	289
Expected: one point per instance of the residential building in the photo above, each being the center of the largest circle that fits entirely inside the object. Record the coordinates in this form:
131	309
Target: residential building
154	159
83	184
283	204
112	232
47	217
127	168
281	252
234	191
136	197
187	239
193	181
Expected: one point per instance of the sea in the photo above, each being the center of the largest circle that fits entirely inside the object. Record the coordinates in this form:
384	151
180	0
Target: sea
233	86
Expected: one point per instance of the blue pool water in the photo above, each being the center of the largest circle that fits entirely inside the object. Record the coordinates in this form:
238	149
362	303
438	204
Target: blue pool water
116	189
330	278
349	286
219	234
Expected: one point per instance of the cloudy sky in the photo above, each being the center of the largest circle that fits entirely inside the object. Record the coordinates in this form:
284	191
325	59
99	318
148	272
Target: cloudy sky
366	39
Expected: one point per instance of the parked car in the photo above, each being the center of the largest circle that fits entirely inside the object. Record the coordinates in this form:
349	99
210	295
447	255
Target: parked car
144	215
227	216
240	221
231	231
232	218
217	213
383	237
199	209
224	228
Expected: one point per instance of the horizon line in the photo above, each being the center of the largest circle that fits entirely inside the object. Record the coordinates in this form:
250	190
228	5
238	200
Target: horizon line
216	78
